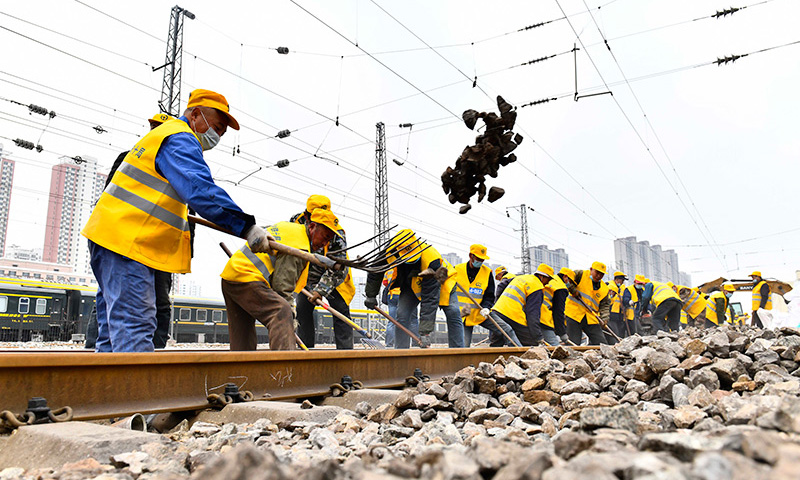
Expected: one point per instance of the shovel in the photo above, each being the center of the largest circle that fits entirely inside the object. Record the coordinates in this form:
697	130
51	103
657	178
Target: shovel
367	340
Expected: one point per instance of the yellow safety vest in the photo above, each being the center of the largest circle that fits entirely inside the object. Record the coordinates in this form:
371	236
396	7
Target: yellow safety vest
546	316
388	277
684	317
757	297
575	310
247	266
630	311
430	255
661	292
140	215
711	307
347	289
512	302
475	288
695	304
616	301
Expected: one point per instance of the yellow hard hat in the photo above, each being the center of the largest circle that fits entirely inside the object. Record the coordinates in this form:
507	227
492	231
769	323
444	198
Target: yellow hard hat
729	287
406	245
479	251
670	284
318	201
327	218
159	118
600	267
499	270
756	273
544	269
639	279
620	274
569	273
207	98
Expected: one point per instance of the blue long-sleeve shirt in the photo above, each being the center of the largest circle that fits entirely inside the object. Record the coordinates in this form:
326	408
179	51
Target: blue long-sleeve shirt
647	296
180	161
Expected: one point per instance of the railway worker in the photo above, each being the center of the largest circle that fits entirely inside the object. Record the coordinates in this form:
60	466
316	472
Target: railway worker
617	316
140	226
551	320
762	298
502	276
476	278
429	292
261	286
694	306
667	314
717	304
337	286
588	305
392	296
162	280
520	306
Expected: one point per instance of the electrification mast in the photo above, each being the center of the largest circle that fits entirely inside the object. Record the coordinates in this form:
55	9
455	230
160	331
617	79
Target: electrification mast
523	229
171	87
381	186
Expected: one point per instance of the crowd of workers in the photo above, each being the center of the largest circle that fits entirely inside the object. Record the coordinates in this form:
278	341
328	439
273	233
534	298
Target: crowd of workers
139	235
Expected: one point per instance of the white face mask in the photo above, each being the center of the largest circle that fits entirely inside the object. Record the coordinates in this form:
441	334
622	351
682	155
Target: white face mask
210	138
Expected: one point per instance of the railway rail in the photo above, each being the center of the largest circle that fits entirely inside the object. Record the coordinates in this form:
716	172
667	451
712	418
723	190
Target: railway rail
109	385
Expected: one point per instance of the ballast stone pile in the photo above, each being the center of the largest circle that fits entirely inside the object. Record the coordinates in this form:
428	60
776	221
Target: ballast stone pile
698	405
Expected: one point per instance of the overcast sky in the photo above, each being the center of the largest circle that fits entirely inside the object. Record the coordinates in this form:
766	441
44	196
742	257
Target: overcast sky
597	169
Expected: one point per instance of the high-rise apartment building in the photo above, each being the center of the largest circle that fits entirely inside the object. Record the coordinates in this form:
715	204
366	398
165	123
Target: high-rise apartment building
6	181
75	186
453	258
641	258
557	258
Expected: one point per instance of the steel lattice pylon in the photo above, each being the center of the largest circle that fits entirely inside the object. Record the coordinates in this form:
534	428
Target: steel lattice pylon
525	258
171	86
381	186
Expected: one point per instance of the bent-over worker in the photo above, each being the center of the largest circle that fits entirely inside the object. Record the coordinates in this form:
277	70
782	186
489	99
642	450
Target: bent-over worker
520	306
588	305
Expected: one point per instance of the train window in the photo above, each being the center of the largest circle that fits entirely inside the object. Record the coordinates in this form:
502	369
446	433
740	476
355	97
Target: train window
24	305
41	306
201	315
3	304
216	316
185	314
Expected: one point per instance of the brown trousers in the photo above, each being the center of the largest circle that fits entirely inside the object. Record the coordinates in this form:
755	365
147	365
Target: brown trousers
250	301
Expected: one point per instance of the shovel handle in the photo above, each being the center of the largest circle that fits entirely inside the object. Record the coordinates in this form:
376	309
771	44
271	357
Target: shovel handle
398	324
508	337
337	314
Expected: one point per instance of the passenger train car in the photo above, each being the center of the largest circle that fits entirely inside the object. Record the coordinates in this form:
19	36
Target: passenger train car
40	311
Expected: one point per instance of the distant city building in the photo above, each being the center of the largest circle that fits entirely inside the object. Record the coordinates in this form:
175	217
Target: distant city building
6	181
453	258
44	272
641	258
557	258
15	252
186	287
75	186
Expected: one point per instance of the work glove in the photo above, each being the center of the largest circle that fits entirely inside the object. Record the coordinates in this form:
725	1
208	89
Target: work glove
465	311
425	341
564	339
485	312
371	303
258	239
630	303
315	296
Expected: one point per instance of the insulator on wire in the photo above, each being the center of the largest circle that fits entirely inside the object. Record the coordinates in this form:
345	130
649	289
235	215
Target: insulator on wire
728	59
283	50
78	159
37	109
406	125
282	163
100	129
726	12
24	144
537	60
535	25
283	134
539	102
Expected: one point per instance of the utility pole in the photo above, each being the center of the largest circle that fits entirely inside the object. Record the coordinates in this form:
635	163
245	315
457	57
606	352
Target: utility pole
523	228
381	187
171	87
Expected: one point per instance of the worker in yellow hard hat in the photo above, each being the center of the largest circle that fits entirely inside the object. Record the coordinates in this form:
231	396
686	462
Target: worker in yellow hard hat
762	297
618	306
551	319
693	306
429	292
667	314
476	278
335	285
588	305
717	305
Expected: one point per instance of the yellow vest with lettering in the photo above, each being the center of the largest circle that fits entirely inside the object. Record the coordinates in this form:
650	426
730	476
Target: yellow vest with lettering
616	300
512	302
430	255
630	311
476	288
711	307
140	215
546	316
575	310
247	266
757	297
661	292
695	304
347	289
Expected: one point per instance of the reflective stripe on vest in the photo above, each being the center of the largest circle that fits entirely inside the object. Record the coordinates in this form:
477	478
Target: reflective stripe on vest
711	307
476	288
546	316
261	266
512	302
757	297
575	310
428	256
661	292
140	215
693	305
